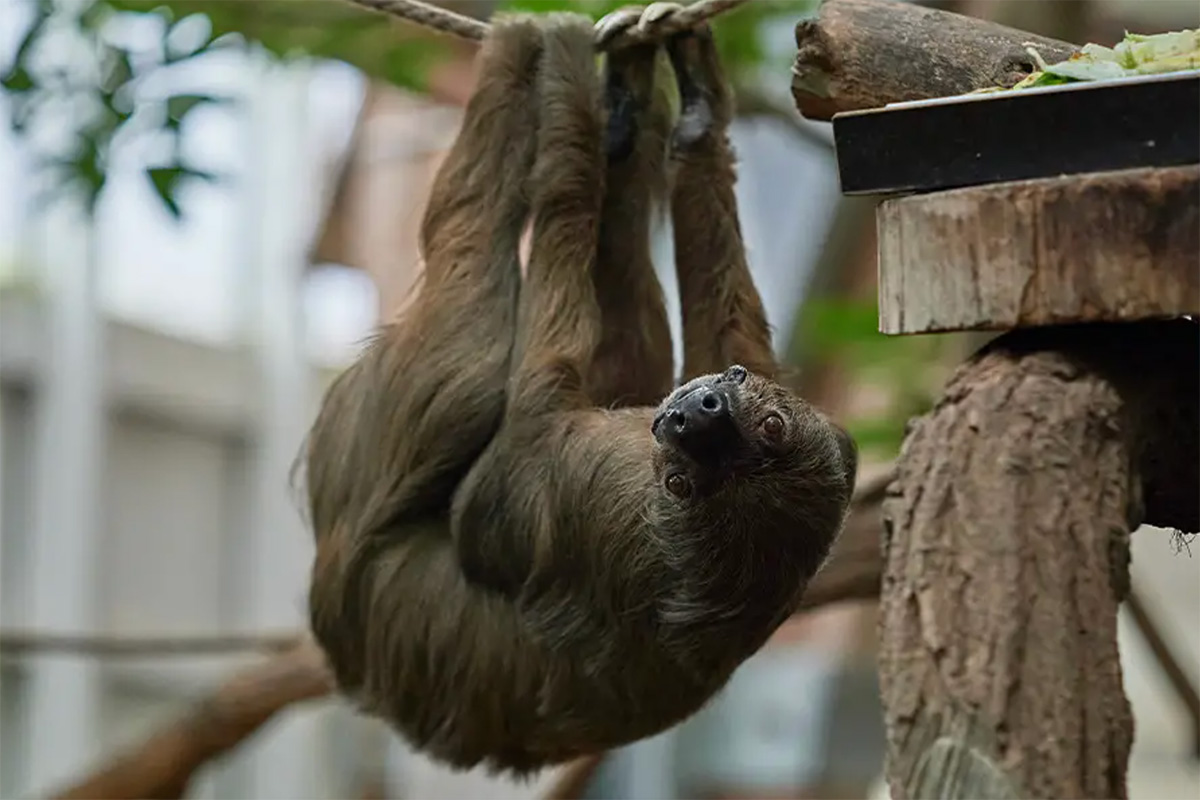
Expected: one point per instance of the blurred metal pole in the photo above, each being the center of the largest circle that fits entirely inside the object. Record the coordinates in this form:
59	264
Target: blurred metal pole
69	426
281	193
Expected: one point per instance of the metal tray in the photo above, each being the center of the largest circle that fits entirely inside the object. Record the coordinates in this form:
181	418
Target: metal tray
969	140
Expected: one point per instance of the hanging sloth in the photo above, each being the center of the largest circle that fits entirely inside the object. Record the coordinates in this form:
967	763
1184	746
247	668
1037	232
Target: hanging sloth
530	546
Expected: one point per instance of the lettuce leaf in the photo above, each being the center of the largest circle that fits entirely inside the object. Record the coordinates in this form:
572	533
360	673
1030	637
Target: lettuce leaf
1136	54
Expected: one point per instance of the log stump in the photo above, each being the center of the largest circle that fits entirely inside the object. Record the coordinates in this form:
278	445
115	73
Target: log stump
858	54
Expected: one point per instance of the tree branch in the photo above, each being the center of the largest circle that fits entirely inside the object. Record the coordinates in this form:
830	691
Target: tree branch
162	766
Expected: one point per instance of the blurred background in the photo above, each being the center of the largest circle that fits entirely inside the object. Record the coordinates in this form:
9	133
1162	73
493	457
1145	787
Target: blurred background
205	205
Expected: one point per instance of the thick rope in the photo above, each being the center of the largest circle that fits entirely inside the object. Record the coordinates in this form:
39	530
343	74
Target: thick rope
441	19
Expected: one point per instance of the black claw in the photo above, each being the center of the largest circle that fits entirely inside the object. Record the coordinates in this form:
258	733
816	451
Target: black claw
695	114
622	118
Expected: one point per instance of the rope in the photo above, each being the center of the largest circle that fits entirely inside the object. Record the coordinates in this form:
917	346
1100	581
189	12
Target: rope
430	16
441	19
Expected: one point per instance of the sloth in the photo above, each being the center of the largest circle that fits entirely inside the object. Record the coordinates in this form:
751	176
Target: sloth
530	544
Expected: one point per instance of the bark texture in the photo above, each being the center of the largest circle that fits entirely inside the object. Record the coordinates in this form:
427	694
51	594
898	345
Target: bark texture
859	54
1106	246
1006	549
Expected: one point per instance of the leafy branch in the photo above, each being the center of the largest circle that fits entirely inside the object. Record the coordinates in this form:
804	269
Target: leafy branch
71	66
102	91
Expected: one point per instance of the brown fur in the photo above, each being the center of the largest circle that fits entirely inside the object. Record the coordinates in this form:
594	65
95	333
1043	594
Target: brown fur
500	572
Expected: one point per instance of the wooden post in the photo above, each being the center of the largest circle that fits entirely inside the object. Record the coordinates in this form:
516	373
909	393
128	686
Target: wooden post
1007	551
1006	531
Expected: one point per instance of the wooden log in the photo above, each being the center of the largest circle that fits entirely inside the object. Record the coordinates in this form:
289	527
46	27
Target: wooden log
1006	555
858	54
1109	246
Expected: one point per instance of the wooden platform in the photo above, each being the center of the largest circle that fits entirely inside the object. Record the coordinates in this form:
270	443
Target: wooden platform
1103	247
929	145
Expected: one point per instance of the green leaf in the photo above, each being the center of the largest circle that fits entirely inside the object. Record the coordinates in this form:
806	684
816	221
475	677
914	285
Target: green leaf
166	181
402	53
180	105
83	169
19	80
332	29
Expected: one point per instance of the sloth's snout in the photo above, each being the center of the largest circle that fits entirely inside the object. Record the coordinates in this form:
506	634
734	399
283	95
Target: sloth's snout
698	411
699	423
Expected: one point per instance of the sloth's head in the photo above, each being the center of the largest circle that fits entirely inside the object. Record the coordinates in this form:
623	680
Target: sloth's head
738	446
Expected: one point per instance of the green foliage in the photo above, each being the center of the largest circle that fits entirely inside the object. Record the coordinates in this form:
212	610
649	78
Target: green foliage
330	29
737	32
847	332
95	87
398	53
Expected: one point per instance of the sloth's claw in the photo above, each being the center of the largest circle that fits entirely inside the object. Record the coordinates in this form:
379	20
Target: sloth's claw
616	22
645	20
655	13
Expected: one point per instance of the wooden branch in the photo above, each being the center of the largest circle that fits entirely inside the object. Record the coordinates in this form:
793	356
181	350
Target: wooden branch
859	54
573	780
19	643
162	767
851	574
1007	551
1169	663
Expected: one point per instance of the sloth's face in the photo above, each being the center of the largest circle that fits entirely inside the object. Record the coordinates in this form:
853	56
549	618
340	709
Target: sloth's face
735	436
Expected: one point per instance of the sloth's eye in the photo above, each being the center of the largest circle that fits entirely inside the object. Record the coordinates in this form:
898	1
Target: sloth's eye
773	426
678	485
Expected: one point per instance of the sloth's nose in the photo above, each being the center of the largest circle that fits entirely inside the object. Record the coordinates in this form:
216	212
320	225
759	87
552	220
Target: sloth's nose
698	422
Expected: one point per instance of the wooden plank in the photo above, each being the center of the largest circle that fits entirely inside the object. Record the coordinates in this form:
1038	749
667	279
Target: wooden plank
858	54
1147	121
1112	246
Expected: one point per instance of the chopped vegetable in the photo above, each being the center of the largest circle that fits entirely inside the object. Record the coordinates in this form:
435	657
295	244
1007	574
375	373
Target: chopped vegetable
1136	54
